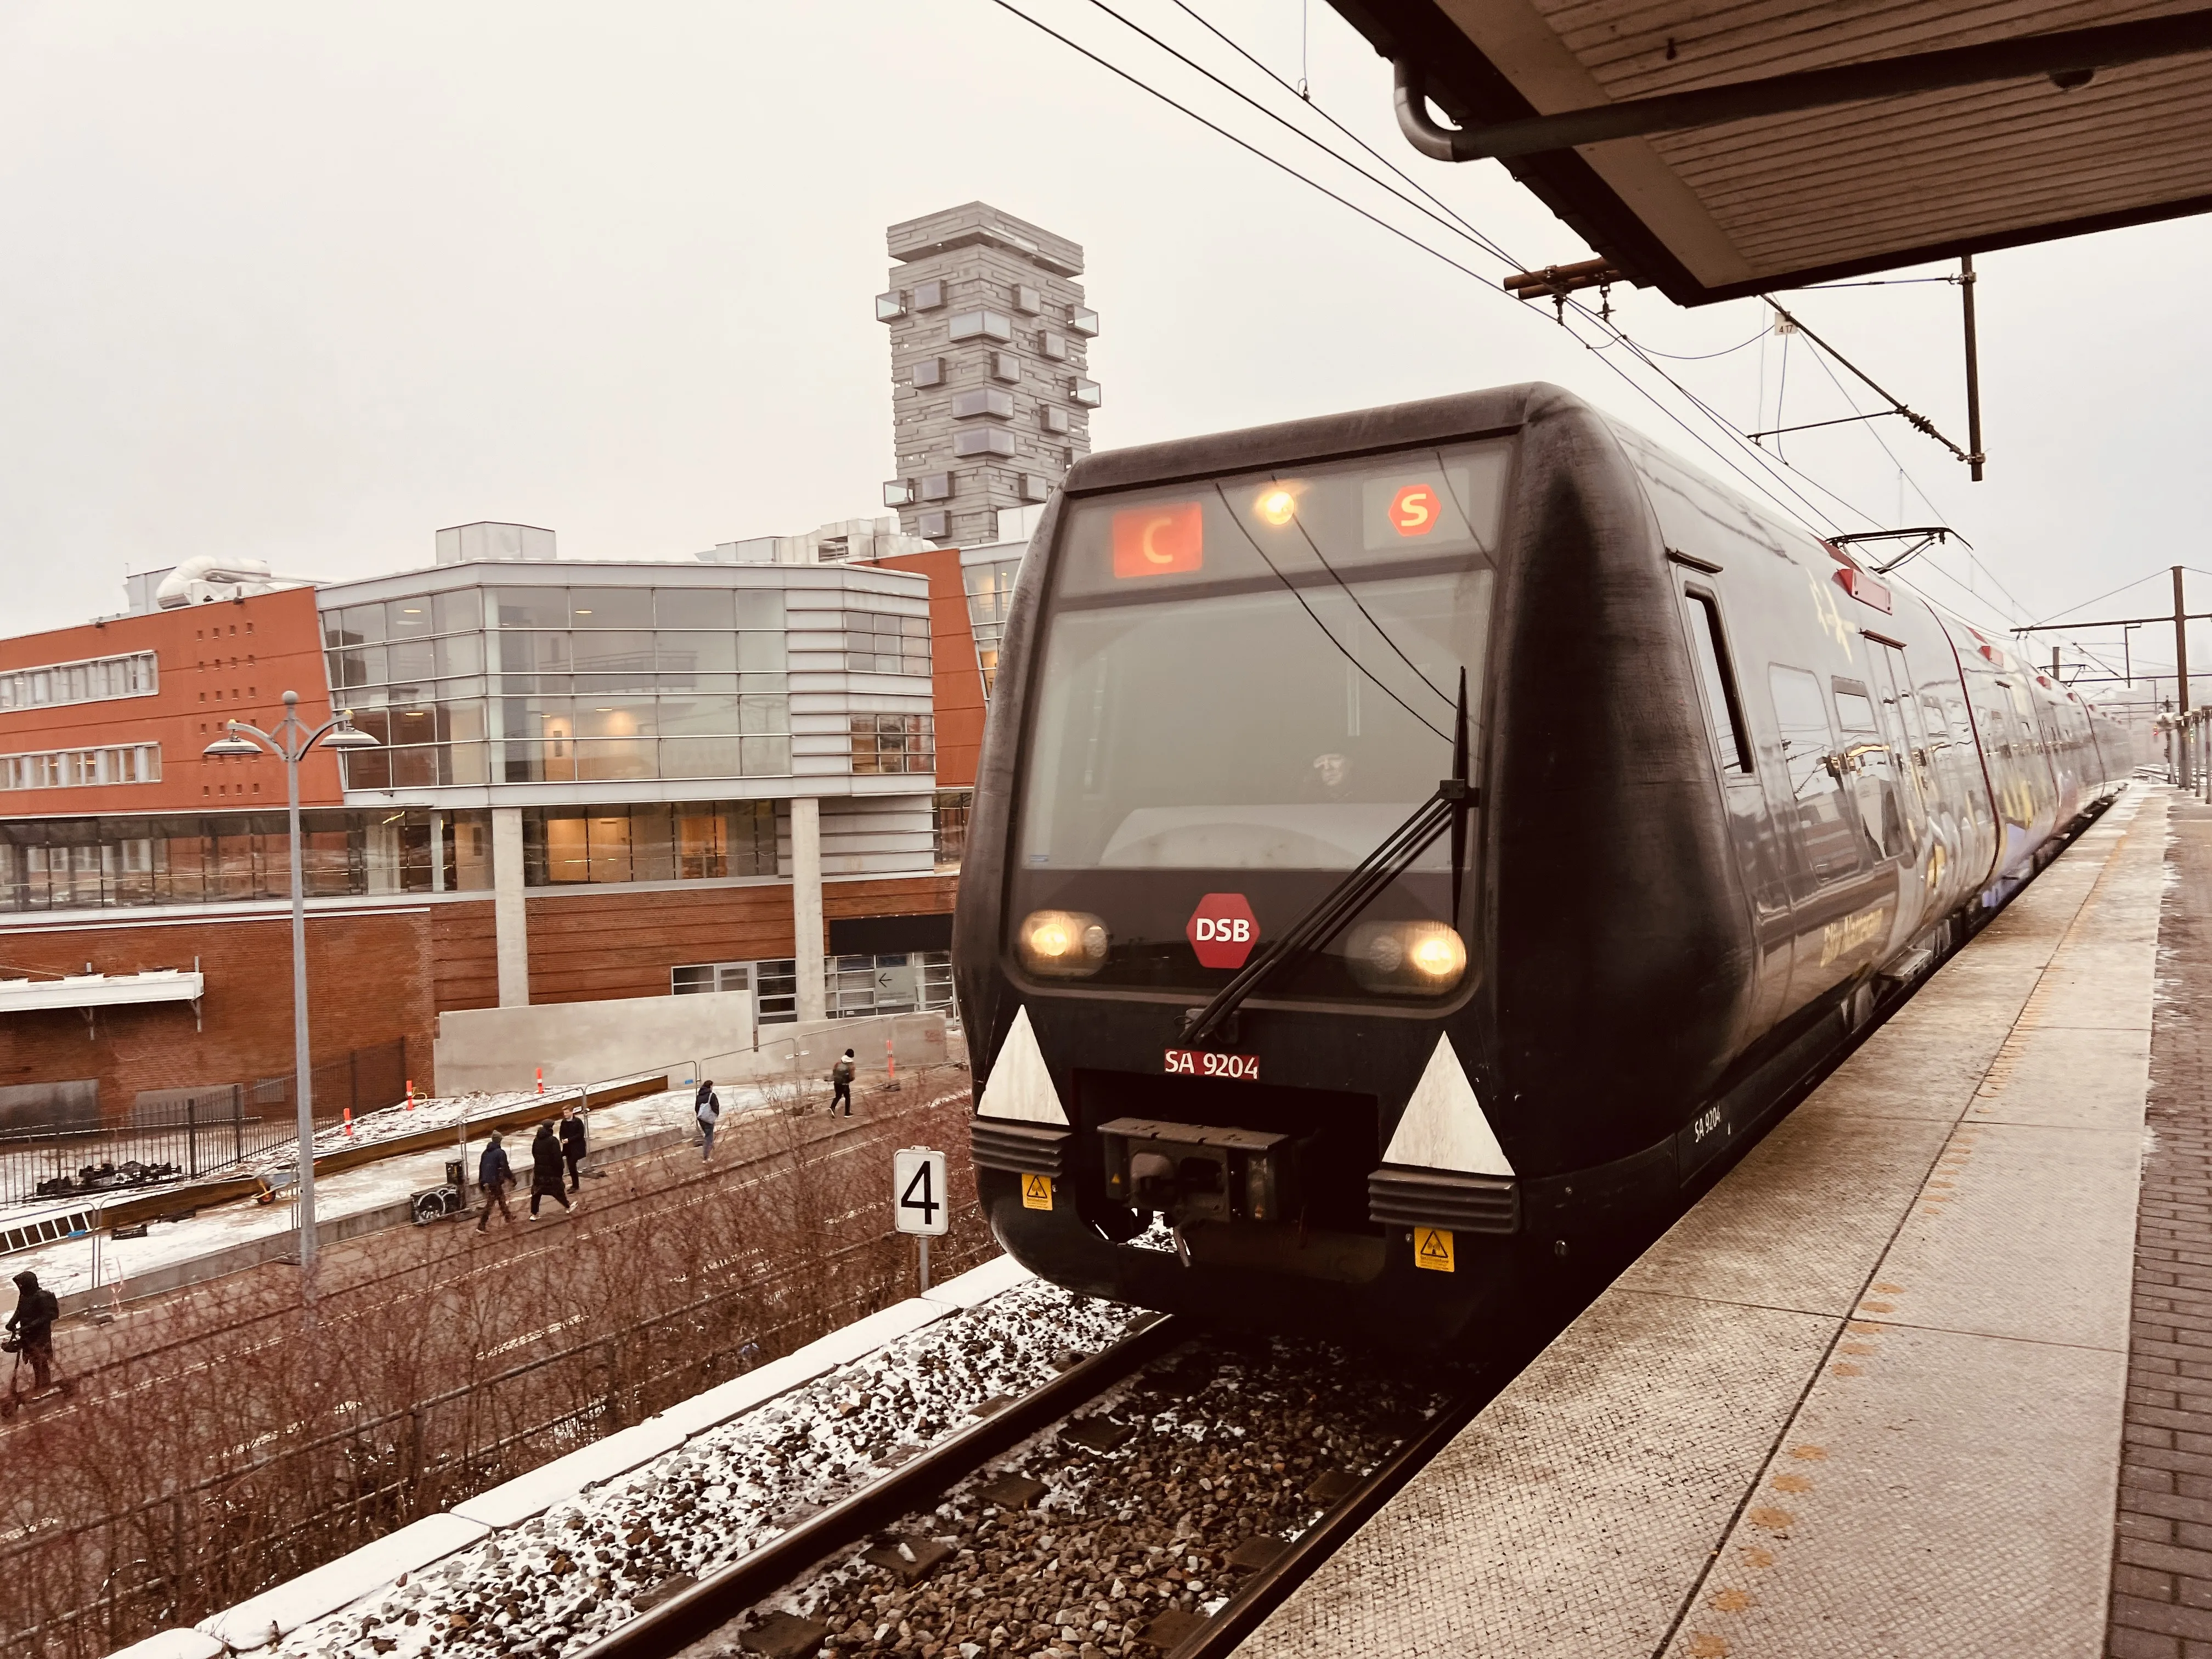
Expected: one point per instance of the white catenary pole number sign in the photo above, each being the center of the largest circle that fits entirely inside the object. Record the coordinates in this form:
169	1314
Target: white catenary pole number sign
919	1199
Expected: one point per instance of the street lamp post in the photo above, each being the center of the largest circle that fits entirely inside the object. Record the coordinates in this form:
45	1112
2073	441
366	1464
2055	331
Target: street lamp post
291	743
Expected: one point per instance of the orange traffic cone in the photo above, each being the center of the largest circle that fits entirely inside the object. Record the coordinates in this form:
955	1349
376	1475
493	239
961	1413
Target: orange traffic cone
348	1121
541	1079
410	1094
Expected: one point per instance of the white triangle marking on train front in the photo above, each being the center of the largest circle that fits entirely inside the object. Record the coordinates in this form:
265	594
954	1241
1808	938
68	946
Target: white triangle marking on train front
1020	1086
1445	1127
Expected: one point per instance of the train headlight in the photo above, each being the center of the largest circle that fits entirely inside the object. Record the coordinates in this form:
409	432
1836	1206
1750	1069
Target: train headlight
1278	506
1065	944
1412	959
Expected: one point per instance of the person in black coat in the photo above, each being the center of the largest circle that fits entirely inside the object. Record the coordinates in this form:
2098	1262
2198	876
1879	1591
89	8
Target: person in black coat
571	1147
32	1325
545	1169
494	1175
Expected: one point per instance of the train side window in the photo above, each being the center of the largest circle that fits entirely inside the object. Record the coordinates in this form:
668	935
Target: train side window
1854	708
1815	775
1710	643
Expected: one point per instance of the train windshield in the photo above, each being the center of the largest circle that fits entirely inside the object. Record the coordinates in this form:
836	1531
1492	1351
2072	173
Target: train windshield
1260	671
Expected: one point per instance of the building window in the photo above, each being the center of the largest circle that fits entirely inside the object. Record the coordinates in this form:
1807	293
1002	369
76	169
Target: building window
993	440
82	769
930	371
889	307
880	644
948	823
1027	300
990	593
857	986
898	492
990	400
1051	418
1081	319
894	743
52	864
96	680
1086	393
710	976
928	296
686	840
935	526
936	486
570	685
1053	346
1006	366
980	325
1036	487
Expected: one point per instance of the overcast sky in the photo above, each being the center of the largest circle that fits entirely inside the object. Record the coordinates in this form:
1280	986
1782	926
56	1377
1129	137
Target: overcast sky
307	283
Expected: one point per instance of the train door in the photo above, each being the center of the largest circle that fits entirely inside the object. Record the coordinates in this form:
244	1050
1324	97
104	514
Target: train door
1751	827
1841	912
1892	683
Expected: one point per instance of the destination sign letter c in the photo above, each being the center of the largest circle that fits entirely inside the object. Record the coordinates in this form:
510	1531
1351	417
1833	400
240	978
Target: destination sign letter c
1158	541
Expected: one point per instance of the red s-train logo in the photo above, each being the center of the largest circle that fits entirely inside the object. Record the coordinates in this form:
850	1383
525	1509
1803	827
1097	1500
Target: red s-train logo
1222	929
1414	510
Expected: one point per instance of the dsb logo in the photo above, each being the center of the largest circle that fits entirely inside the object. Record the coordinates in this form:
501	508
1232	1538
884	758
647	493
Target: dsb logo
1222	929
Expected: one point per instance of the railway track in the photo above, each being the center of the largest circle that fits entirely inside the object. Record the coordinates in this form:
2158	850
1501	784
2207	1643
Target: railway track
928	1559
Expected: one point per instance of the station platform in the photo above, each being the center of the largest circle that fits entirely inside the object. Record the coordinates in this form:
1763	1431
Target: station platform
1868	1397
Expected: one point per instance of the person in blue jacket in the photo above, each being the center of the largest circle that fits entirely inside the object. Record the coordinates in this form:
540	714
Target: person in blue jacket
494	1175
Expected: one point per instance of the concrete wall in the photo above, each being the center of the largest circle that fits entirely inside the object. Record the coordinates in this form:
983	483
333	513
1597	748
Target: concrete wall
587	1041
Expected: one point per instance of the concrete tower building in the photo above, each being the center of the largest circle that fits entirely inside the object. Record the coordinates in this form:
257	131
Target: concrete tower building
990	399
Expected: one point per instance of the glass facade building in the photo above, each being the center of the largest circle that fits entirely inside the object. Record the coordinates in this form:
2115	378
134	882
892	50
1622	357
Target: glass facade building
544	684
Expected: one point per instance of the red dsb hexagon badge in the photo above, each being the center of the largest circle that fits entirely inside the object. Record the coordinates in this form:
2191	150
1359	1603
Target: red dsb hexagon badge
1222	929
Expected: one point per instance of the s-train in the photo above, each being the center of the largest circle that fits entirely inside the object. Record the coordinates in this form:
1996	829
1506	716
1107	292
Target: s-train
1710	793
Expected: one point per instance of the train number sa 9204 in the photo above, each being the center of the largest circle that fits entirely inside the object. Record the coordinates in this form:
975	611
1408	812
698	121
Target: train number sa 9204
1200	1063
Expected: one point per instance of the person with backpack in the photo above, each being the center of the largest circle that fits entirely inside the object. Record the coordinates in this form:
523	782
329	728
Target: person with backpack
545	1169
708	1110
841	1084
494	1175
31	1328
571	1147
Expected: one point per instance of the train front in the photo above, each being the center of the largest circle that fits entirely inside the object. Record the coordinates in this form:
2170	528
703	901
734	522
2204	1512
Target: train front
1239	724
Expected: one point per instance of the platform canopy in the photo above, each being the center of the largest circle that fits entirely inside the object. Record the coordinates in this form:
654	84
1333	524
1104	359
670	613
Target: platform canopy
1714	150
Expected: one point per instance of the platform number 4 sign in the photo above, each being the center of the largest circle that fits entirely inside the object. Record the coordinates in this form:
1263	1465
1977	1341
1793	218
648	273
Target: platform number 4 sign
918	1193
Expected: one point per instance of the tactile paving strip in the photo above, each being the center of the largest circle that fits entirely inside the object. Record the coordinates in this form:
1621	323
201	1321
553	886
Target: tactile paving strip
1866	1398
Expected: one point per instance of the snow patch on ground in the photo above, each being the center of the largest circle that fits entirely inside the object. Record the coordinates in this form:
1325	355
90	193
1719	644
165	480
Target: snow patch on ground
558	1581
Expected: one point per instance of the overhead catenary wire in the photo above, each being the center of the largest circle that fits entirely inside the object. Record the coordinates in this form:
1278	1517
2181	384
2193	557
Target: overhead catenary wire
1405	236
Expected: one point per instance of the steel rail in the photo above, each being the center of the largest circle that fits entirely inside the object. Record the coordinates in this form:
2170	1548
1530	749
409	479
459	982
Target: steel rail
1269	1586
918	1484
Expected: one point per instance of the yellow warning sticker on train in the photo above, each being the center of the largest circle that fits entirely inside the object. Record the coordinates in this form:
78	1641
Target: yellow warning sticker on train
1432	1249
1037	1192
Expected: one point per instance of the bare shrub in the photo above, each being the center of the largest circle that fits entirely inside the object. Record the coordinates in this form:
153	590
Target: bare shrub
228	1437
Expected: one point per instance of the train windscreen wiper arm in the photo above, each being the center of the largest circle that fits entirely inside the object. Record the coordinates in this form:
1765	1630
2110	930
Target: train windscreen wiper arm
1446	809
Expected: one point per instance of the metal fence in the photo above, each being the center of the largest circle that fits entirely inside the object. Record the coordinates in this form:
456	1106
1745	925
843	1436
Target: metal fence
189	1134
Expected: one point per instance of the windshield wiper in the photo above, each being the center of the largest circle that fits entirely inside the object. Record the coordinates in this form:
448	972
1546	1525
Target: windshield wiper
1446	809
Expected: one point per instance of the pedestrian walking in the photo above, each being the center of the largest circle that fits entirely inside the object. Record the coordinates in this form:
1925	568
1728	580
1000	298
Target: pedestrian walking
571	1147
494	1175
709	1111
545	1170
841	1084
31	1331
